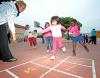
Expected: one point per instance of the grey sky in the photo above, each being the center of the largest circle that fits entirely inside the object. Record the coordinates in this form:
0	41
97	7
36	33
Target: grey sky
85	11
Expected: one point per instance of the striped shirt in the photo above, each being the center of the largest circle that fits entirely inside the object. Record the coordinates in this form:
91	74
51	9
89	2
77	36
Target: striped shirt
8	12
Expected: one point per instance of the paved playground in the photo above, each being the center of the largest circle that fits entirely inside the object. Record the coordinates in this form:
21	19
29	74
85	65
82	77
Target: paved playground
36	63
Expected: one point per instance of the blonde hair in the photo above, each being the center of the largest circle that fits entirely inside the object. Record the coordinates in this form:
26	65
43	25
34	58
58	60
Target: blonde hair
20	2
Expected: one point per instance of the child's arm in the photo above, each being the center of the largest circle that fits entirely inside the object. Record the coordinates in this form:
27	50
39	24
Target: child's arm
46	30
63	28
75	28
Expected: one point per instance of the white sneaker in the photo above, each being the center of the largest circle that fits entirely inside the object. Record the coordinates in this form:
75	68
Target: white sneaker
64	49
34	46
52	57
47	50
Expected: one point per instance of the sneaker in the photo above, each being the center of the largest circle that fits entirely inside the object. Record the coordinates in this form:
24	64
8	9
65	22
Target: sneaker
47	50
74	53
34	46
86	48
52	57
64	49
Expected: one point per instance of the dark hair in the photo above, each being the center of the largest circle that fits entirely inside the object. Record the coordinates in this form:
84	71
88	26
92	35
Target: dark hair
46	24
26	27
74	20
56	18
93	29
7	1
35	30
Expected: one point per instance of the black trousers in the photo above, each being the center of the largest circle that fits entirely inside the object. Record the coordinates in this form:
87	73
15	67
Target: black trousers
5	53
94	39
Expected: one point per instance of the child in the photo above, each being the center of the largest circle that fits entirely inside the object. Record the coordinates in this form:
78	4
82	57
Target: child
8	11
55	28
86	37
48	37
77	37
30	36
35	34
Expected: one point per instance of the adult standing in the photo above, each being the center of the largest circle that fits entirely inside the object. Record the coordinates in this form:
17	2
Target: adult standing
93	34
8	11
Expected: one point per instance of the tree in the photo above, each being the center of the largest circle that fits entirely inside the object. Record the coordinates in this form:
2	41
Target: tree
65	21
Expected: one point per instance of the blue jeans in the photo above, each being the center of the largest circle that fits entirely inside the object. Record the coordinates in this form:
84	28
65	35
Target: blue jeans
35	41
49	43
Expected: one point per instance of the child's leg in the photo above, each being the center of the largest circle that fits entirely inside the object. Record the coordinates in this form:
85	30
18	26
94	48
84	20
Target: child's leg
30	41
50	42
33	41
47	44
61	44
74	48
54	48
81	42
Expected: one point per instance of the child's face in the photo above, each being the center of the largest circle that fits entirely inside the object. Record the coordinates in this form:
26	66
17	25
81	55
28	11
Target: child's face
73	23
27	28
54	22
47	25
21	8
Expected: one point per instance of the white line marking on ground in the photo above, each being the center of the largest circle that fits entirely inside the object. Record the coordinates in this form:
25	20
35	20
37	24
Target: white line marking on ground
93	69
54	69
23	63
12	74
77	64
77	57
60	71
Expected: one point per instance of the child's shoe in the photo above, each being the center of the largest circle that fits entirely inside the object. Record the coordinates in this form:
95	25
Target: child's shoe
34	46
52	57
74	53
64	49
86	48
47	50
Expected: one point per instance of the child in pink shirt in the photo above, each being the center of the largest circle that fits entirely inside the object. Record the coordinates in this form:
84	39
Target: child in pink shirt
55	28
48	37
76	36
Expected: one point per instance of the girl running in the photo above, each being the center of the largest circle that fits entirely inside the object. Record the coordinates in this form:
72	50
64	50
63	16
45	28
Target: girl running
30	36
48	37
77	37
55	28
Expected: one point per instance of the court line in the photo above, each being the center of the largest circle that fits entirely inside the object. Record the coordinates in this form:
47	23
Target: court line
79	57
93	69
77	64
60	71
23	63
12	74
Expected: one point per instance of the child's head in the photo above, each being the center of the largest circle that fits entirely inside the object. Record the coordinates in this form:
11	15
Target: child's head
55	20
73	22
47	24
21	5
27	27
35	31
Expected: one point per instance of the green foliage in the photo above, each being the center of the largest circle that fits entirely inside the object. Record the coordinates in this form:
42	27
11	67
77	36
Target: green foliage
65	21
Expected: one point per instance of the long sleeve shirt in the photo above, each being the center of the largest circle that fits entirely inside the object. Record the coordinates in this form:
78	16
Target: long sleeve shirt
28	33
74	29
8	12
56	30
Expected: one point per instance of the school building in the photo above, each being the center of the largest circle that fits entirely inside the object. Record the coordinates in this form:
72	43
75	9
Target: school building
19	30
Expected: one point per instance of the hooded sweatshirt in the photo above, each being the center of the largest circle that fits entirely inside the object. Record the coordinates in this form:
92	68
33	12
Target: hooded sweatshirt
8	12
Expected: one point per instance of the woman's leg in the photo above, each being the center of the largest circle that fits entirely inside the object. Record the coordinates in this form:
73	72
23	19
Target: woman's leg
4	48
81	42
74	48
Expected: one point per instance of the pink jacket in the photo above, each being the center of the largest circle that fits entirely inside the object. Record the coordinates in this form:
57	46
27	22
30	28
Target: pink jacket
47	34
74	29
